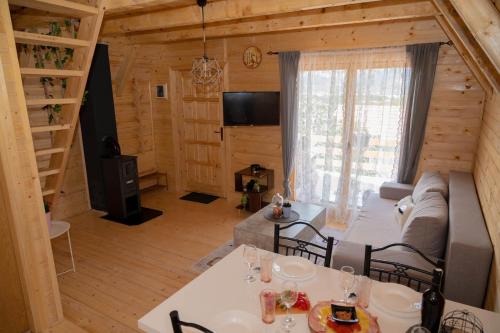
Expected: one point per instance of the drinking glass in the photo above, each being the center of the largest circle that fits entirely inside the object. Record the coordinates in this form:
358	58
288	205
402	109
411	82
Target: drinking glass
266	266
364	290
268	305
347	280
288	296
250	255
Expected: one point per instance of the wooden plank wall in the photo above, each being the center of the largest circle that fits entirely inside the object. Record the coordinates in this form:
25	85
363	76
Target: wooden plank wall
151	67
133	107
487	177
451	135
454	118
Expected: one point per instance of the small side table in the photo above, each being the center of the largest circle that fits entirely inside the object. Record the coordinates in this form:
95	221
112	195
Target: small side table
57	229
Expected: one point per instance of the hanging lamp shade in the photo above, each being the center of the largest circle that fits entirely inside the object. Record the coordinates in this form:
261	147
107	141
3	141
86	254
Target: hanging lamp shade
205	70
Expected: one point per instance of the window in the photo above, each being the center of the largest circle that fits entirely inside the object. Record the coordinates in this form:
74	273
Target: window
351	106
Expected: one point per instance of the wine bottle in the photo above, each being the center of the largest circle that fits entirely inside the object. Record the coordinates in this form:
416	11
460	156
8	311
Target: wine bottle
433	303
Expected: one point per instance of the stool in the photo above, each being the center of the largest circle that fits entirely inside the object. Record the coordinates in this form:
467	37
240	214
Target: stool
57	229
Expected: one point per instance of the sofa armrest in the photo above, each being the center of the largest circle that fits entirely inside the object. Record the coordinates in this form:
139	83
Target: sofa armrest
395	191
349	254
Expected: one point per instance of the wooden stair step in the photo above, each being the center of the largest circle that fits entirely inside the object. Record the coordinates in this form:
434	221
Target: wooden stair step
25	71
49	128
50	101
49	191
48	172
58	6
39	39
49	151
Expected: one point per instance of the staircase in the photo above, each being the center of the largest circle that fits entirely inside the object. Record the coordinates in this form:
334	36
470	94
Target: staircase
53	158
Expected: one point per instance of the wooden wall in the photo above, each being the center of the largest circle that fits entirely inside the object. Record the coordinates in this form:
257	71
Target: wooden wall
487	177
74	197
151	67
454	117
145	122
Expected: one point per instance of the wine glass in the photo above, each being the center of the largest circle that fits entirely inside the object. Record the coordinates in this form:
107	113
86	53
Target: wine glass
288	297
250	255
347	279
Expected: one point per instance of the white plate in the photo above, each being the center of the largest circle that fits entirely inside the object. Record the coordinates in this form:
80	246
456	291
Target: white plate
233	321
294	268
396	299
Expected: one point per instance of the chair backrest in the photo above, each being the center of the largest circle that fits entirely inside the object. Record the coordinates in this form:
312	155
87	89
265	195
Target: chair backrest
392	271
177	324
306	249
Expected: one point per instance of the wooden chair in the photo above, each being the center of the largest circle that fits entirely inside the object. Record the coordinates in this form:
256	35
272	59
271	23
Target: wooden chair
177	324
306	249
392	271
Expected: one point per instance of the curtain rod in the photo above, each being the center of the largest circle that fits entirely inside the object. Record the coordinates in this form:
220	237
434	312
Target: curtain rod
449	43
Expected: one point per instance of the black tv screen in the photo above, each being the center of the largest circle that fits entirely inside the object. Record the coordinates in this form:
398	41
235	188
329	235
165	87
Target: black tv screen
251	108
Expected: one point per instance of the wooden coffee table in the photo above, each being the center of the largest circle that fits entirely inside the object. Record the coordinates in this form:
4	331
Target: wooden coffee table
259	231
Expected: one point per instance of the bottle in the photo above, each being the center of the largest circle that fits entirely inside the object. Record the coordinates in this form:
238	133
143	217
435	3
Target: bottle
433	303
244	199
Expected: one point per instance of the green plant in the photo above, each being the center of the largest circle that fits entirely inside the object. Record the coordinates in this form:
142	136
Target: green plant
85	97
59	57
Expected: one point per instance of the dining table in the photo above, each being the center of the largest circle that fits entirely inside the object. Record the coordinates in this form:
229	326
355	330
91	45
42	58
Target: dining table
221	291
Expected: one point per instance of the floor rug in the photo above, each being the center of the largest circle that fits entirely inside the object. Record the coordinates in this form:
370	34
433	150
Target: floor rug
208	261
145	215
199	197
337	235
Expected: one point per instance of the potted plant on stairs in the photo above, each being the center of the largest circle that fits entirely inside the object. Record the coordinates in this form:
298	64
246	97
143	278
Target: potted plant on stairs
47	215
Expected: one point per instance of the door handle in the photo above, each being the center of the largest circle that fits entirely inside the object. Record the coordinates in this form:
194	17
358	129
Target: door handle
221	133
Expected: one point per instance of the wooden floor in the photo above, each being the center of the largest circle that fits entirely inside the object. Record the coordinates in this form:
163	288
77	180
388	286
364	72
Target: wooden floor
123	272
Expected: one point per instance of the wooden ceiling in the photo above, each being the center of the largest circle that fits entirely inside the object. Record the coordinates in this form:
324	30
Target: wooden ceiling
473	26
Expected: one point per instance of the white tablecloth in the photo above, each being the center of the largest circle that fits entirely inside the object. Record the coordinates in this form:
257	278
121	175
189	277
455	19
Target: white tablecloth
222	288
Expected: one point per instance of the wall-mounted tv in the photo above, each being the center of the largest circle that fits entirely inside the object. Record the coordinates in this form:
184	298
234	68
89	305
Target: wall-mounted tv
251	108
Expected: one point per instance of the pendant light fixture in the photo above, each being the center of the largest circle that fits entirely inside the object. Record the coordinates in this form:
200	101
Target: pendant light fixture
205	71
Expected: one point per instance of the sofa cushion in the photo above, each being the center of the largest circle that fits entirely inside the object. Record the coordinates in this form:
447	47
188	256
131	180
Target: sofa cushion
427	225
374	223
402	210
430	181
395	191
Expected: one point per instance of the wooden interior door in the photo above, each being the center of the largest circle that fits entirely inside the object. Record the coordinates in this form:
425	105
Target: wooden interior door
200	136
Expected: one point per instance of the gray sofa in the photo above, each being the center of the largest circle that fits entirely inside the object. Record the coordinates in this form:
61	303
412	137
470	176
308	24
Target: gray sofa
466	246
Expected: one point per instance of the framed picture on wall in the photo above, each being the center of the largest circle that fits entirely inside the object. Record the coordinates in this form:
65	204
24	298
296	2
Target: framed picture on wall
252	57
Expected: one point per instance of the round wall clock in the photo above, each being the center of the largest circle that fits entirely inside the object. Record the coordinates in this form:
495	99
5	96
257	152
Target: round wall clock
252	57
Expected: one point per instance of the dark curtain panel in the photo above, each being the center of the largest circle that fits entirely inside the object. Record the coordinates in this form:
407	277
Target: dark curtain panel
289	67
423	67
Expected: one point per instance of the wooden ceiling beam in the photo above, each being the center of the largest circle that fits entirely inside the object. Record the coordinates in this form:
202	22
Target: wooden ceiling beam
218	11
122	6
480	68
364	13
483	21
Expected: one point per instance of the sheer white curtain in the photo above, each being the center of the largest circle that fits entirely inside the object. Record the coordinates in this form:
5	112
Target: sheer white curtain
351	109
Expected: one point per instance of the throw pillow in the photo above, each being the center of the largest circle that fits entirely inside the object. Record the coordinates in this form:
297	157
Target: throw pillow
430	181
402	210
427	225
